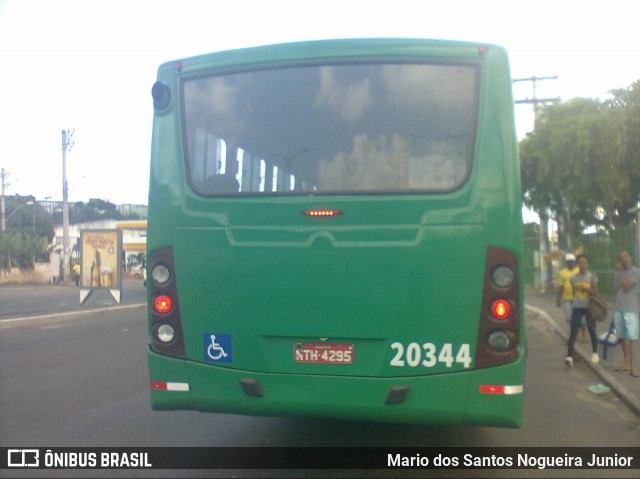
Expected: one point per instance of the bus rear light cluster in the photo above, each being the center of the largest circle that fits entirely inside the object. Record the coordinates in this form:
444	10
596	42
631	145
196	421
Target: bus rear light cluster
164	310
499	322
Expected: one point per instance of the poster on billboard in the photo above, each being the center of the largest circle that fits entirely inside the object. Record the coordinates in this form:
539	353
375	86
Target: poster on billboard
100	260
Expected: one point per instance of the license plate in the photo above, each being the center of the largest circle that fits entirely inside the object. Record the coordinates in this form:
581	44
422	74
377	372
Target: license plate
323	353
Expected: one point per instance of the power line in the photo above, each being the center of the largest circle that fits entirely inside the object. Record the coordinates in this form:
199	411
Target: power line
535	101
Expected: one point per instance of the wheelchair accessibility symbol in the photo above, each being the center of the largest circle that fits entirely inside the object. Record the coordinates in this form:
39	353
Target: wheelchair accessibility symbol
217	348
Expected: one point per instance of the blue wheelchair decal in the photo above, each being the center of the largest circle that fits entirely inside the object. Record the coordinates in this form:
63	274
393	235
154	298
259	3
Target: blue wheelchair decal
217	348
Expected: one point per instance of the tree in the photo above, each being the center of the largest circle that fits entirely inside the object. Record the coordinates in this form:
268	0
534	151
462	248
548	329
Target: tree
9	248
28	218
580	163
34	246
21	250
627	104
29	231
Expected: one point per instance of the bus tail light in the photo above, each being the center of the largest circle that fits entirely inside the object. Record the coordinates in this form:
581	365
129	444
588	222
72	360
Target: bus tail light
500	309
500	340
162	304
166	333
164	308
160	274
499	322
321	213
503	276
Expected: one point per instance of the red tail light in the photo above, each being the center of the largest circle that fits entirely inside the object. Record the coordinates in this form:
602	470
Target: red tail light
500	309
162	304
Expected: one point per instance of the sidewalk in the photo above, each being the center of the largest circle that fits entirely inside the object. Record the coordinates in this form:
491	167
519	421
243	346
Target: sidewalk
622	383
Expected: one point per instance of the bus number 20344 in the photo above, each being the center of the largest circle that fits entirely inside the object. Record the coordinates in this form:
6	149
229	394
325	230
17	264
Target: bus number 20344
429	355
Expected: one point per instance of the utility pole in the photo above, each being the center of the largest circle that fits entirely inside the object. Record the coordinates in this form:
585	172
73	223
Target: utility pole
67	144
4	174
545	277
535	100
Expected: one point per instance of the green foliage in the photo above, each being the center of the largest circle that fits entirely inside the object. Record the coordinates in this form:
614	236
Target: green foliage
28	218
627	103
22	250
29	229
582	161
9	248
34	247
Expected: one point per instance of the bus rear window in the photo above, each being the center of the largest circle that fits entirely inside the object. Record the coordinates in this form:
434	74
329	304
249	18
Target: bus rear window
333	129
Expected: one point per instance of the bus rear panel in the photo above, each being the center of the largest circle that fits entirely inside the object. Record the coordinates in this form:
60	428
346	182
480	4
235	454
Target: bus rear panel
334	231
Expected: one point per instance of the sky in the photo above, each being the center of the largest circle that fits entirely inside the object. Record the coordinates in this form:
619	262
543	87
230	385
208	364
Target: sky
88	66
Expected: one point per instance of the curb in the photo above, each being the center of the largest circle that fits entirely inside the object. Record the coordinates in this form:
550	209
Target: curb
627	397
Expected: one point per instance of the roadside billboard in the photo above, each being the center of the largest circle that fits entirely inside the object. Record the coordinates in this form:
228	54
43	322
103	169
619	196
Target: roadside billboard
100	262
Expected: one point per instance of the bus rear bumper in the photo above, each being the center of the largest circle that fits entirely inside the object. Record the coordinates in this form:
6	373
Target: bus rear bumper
484	397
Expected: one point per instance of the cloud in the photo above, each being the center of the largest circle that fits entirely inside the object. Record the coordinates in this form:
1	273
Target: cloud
454	85
213	98
347	101
385	163
372	164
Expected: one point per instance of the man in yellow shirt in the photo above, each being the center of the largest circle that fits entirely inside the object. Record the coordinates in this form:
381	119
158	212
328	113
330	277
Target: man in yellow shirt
76	273
585	285
564	299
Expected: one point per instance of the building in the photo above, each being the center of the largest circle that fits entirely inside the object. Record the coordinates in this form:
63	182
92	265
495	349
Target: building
53	207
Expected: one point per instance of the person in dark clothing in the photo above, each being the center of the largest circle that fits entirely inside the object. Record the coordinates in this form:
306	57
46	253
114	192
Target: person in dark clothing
585	285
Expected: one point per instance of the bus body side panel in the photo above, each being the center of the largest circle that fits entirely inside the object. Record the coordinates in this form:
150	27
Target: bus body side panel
453	398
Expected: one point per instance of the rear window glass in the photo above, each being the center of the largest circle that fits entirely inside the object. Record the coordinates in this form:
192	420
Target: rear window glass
357	128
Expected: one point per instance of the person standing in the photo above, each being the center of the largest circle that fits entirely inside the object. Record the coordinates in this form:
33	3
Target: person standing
76	273
626	309
585	285
564	298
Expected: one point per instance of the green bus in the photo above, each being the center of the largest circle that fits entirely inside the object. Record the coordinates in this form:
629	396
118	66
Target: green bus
335	231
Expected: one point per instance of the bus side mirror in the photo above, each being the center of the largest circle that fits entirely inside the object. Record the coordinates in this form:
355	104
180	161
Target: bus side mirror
161	96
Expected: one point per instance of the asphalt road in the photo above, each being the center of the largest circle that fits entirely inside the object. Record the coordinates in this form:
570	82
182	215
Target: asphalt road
81	381
36	299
